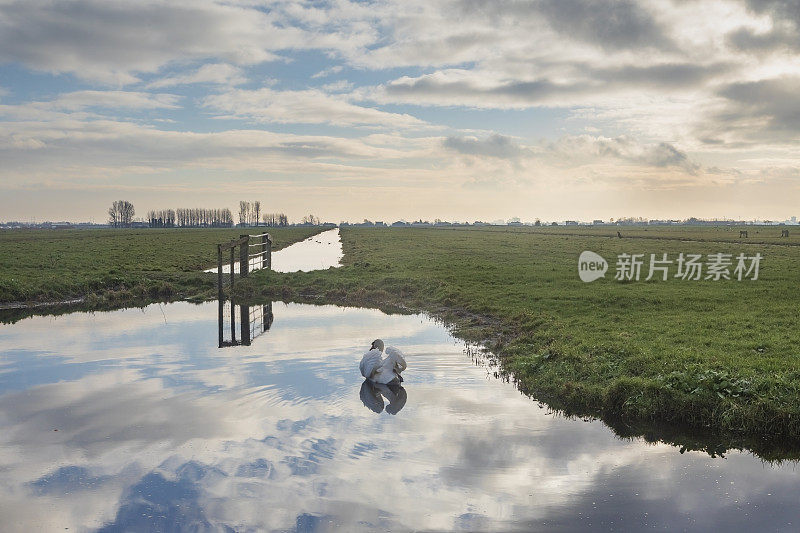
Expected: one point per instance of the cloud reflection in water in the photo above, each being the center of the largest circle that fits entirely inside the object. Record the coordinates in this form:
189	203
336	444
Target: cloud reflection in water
158	428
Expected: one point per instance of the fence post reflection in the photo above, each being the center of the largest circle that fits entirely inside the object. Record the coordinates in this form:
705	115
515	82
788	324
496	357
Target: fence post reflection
253	321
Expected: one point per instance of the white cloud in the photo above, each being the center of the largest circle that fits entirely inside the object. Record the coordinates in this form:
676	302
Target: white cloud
324	73
310	106
216	73
112	100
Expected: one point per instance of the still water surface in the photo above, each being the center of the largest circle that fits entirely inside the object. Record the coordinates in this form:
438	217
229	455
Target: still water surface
135	420
318	252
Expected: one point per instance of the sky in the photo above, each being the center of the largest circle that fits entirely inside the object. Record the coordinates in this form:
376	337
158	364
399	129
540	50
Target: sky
461	110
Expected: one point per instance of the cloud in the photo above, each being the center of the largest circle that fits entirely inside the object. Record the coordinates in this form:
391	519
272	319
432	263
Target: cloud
666	155
578	84
667	88
778	39
755	113
659	155
774	99
112	41
611	24
665	76
112	100
328	72
783	31
310	106
779	9
76	107
495	145
216	73
75	146
469	88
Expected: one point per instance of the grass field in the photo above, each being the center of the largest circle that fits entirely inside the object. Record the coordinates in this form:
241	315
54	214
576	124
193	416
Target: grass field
115	264
720	355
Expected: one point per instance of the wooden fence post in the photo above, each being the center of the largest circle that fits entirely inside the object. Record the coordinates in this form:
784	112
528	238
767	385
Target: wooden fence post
220	294
244	313
268	317
233	307
266	250
244	256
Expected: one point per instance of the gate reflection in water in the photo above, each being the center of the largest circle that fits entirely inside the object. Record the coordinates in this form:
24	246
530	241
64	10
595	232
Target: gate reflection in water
250	321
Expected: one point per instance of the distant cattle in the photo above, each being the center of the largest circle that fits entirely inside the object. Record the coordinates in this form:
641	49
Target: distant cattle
619	235
742	234
784	233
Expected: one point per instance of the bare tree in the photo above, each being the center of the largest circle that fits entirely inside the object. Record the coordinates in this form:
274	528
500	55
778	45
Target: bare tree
243	209
275	219
257	212
128	213
113	215
120	214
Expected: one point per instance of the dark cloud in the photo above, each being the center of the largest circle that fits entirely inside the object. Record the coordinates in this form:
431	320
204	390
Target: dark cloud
667	75
780	9
773	102
98	39
432	86
784	34
775	40
666	155
754	113
611	24
442	90
495	145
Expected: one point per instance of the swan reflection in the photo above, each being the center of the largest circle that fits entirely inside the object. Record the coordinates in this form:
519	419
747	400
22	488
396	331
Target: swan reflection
373	394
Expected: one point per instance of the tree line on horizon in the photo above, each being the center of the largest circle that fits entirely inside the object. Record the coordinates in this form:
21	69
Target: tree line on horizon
190	218
250	215
121	213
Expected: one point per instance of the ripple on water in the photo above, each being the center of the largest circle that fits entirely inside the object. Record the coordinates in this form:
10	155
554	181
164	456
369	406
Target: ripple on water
153	419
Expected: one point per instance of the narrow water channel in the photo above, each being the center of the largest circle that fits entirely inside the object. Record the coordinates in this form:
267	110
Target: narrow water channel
137	420
318	252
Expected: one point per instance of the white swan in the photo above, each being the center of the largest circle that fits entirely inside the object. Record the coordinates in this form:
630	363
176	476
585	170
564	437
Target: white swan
378	369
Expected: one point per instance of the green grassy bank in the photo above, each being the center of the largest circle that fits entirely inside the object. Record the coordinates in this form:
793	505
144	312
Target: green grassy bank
717	356
108	265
